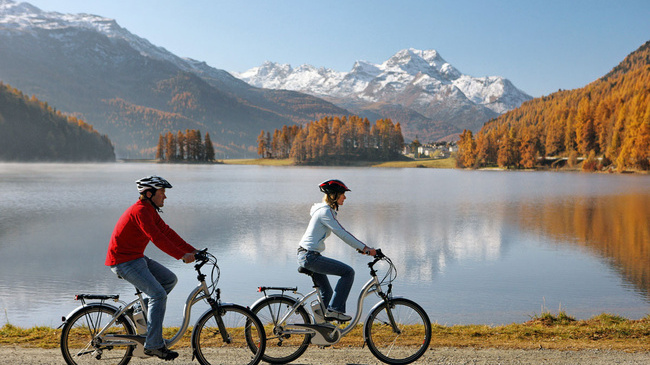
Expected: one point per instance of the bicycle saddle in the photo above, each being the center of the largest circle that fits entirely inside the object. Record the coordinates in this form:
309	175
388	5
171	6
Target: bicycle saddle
307	272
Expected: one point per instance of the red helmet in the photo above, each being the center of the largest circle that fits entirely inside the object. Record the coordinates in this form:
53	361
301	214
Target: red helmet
333	186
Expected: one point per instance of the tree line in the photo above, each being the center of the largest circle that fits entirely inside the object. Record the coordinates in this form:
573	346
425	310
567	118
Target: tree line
333	139
606	123
188	146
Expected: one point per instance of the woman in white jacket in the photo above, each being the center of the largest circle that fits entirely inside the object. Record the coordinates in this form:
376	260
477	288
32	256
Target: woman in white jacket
323	222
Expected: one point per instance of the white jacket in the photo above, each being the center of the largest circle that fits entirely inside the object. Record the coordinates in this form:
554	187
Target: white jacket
323	222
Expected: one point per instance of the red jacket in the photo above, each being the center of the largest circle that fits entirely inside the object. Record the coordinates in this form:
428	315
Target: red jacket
138	225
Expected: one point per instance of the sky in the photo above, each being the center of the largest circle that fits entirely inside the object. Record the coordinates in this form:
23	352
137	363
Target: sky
541	46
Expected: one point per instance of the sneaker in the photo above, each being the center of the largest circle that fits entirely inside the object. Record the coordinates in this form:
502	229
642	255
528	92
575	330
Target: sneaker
163	353
339	316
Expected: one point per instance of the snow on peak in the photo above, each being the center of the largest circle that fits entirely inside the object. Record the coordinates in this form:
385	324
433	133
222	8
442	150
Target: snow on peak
24	16
408	68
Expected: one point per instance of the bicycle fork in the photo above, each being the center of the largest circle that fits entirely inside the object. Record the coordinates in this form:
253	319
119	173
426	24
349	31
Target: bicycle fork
218	316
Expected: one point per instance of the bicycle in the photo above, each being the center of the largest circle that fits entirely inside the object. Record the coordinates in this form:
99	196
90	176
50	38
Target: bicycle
101	331
397	330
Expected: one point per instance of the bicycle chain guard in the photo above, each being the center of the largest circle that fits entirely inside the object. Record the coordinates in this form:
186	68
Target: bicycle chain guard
322	334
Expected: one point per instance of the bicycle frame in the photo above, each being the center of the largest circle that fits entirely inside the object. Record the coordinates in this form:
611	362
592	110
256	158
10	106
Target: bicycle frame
371	285
199	293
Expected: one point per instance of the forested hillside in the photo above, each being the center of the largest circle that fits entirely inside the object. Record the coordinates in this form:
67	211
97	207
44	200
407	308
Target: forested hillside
31	130
132	90
607	123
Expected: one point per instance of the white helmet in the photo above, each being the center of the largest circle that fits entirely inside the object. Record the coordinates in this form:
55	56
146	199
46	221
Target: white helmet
152	182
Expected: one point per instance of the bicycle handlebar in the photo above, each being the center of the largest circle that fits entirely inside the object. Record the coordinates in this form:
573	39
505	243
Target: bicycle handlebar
378	257
201	255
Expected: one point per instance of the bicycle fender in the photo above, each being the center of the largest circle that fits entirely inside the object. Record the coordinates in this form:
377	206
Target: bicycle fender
373	309
208	312
382	302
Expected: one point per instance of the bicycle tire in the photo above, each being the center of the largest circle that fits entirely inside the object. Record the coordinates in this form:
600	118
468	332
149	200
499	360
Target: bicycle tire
245	332
282	349
414	334
80	329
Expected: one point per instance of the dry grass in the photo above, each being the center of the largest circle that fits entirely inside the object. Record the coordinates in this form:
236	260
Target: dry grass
260	161
447	163
559	332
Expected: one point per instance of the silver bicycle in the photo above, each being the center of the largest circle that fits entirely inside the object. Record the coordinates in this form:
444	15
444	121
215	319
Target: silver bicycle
397	330
105	333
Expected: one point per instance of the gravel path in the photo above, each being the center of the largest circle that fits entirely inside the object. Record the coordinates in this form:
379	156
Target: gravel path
359	356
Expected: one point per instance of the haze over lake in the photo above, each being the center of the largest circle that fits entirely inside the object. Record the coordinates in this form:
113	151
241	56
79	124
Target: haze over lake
470	246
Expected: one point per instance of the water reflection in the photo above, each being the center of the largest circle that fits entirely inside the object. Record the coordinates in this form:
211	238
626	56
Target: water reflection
471	247
615	227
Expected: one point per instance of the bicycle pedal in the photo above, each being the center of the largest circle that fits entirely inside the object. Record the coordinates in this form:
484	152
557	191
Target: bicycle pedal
335	320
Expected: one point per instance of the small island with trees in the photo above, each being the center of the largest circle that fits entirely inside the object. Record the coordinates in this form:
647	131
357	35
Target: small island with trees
185	147
334	141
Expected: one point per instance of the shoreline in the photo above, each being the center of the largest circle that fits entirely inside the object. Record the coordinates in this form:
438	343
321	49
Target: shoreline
558	332
435	163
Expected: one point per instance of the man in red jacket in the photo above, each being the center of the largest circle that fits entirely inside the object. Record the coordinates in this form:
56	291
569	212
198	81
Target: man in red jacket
139	225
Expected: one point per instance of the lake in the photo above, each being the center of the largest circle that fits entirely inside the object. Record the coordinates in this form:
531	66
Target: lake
483	247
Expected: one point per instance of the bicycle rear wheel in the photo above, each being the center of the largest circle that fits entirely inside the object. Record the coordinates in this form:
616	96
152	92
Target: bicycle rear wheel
401	345
282	347
244	332
80	346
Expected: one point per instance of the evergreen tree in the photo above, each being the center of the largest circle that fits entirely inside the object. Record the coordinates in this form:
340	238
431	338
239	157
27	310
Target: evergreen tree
209	148
181	142
160	149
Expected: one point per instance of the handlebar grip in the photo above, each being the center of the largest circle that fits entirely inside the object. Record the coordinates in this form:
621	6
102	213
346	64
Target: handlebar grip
201	255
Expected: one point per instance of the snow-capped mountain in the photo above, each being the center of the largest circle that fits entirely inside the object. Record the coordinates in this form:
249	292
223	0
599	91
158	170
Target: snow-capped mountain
132	90
418	80
26	18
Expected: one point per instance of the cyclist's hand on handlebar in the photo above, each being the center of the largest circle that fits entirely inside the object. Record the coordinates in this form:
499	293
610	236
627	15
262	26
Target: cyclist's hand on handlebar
369	251
188	257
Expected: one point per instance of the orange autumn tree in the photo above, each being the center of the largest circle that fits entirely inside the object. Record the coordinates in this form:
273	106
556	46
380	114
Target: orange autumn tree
185	146
606	121
333	140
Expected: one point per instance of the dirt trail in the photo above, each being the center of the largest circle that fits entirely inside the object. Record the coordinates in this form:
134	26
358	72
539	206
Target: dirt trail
359	356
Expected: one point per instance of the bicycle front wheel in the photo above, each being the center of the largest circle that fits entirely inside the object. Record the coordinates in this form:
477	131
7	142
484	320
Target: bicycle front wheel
243	332
398	332
80	344
283	346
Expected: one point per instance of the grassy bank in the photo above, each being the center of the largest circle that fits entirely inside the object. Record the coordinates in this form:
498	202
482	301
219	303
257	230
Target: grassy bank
446	163
559	332
260	161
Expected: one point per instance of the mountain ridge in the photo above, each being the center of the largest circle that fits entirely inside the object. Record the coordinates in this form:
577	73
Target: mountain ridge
419	80
90	67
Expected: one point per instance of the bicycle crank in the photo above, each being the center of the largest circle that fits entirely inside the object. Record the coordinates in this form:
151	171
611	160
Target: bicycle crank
322	334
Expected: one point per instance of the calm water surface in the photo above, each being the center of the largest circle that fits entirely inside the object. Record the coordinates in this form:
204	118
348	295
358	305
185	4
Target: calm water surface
470	246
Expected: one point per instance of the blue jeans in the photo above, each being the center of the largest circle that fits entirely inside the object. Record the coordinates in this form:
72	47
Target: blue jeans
323	266
156	281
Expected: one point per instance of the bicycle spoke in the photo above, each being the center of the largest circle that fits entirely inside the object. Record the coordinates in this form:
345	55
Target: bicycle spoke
398	333
78	337
244	340
282	346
